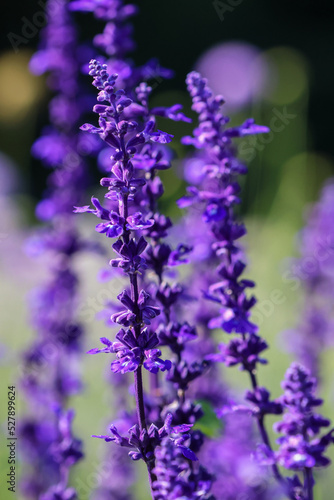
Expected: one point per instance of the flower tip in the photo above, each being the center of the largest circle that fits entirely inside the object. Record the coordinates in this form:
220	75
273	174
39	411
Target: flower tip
93	351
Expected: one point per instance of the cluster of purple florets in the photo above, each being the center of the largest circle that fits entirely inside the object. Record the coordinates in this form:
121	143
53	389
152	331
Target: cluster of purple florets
301	446
124	136
51	363
132	352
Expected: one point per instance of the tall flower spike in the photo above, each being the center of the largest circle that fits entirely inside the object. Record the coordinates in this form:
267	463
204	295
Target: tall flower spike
301	446
160	257
218	194
49	380
135	347
314	271
231	451
116	41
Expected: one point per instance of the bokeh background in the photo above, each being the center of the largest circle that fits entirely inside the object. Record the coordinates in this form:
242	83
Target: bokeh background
272	61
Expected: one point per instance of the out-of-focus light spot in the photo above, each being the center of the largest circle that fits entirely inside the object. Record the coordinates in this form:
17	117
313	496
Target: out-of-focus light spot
193	170
236	70
19	89
289	78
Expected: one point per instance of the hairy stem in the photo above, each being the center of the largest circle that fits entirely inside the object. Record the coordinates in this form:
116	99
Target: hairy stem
139	393
308	483
142	421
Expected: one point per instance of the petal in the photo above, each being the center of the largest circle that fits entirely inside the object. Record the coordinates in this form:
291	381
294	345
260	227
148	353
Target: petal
93	351
186	452
87	127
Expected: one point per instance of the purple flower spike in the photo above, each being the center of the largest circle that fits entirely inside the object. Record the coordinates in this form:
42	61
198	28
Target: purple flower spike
301	447
314	271
48	449
216	193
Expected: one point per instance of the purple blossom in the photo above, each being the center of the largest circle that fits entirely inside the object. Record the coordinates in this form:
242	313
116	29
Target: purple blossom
214	138
182	373
59	493
114	225
260	399
132	353
136	346
48	381
239	351
159	228
142	442
301	447
179	255
136	221
314	270
160	256
217	195
175	479
129	255
63	452
230	458
137	312
173	113
176	335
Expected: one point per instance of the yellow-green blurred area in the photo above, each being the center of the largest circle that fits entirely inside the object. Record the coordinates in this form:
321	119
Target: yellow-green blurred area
286	171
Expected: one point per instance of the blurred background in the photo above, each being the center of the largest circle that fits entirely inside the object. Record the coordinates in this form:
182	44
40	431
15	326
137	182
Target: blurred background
272	61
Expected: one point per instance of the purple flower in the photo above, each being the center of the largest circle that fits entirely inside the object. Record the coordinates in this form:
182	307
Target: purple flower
249	127
112	229
49	381
214	212
110	347
260	398
179	255
234	316
182	373
153	363
168	294
137	312
136	221
129	256
66	450
314	270
142	442
176	335
99	211
173	113
132	353
136	346
244	352
58	492
217	193
174	479
214	139
300	446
